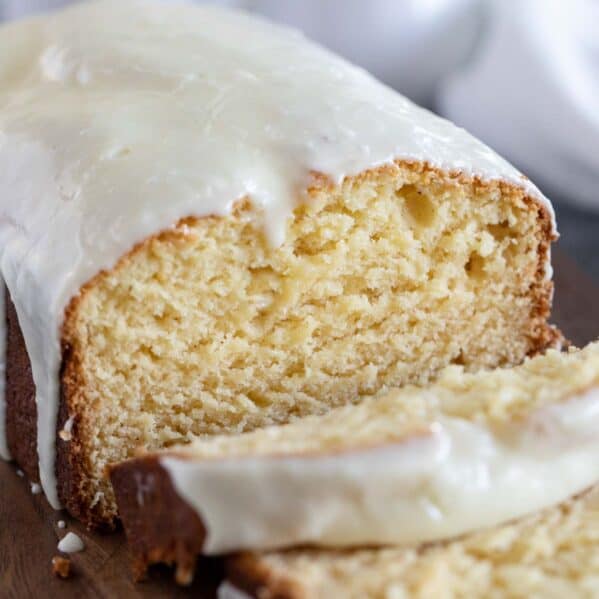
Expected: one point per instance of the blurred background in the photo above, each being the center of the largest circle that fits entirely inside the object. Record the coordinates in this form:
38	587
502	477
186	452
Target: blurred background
523	75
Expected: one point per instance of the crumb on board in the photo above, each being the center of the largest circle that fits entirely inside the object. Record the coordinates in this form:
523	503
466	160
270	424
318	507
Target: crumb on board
64	435
61	566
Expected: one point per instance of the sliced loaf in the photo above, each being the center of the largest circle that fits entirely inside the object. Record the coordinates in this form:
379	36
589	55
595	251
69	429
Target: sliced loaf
210	224
415	465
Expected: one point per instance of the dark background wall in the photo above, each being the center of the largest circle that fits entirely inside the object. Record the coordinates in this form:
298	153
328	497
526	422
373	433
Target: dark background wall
579	230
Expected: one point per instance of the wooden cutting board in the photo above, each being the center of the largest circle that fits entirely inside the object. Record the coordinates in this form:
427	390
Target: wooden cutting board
29	534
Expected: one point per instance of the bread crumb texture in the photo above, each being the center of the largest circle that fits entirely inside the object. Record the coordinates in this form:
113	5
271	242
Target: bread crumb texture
501	399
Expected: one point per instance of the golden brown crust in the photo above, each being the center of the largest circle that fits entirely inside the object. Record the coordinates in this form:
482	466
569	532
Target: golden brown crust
145	494
252	576
74	489
21	412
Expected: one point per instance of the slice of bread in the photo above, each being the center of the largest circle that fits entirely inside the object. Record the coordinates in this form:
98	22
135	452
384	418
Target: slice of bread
549	555
415	465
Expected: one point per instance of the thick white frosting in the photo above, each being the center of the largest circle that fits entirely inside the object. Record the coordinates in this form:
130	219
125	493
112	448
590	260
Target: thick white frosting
118	118
458	477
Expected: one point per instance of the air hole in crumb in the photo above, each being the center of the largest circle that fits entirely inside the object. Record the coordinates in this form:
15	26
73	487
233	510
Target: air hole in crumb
295	369
500	231
258	399
459	360
475	267
418	206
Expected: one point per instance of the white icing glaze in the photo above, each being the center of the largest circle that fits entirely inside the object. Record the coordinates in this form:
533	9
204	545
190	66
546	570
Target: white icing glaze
144	486
35	488
228	591
460	477
118	118
61	524
68	425
4	452
71	543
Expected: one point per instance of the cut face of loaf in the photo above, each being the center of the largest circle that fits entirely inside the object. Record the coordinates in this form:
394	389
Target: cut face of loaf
551	554
415	465
380	282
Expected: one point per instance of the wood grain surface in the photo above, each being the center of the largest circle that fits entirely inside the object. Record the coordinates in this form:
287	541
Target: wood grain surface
28	526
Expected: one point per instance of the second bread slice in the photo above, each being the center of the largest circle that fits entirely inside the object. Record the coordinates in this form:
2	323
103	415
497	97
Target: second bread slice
412	466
